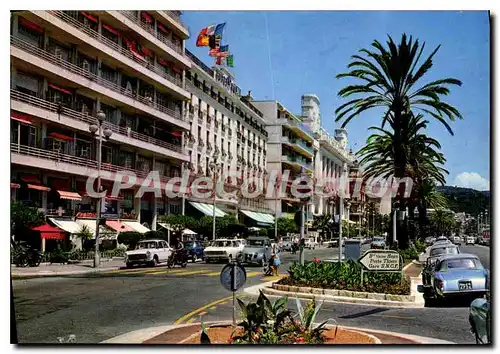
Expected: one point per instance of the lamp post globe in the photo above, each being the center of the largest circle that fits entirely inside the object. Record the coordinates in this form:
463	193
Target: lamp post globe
101	116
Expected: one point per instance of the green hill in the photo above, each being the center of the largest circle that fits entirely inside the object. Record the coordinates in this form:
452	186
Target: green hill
466	200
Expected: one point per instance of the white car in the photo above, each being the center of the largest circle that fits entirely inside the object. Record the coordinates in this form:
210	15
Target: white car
149	252
311	243
457	240
223	249
469	240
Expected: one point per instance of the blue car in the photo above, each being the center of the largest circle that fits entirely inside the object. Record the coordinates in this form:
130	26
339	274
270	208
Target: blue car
195	250
454	275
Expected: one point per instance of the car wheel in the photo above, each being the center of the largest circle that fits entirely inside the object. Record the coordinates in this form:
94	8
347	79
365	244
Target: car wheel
262	262
154	262
195	258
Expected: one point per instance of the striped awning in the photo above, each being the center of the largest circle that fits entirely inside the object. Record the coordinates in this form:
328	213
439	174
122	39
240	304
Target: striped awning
261	218
136	226
69	195
208	209
67	225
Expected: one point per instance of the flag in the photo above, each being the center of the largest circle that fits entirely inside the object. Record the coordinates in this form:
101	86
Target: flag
211	30
230	61
224	48
220	61
219	29
203	36
212	42
217	54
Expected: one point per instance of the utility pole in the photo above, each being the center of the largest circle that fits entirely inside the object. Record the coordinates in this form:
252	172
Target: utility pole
341	211
301	251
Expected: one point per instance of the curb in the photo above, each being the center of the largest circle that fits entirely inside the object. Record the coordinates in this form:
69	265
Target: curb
61	274
344	299
142	335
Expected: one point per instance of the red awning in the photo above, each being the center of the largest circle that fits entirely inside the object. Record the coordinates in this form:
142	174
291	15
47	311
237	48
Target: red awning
177	134
118	226
20	117
30	25
38	187
146	16
137	55
89	16
163	29
15	185
111	29
146	52
69	195
61	136
31	179
55	87
50	232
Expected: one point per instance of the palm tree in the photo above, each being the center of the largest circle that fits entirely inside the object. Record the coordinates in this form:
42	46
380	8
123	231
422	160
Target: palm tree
423	160
390	79
322	223
442	221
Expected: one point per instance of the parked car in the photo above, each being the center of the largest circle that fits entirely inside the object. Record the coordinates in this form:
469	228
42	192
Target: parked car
486	241
149	252
378	243
311	243
480	320
429	240
223	250
457	240
195	250
257	250
286	244
442	239
453	275
469	240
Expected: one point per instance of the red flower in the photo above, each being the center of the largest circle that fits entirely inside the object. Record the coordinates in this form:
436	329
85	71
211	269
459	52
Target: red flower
299	340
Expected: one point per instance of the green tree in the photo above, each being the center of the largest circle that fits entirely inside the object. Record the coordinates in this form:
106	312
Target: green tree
204	226
391	79
442	222
23	218
285	226
323	224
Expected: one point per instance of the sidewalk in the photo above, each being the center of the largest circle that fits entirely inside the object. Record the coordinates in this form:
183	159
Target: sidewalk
56	270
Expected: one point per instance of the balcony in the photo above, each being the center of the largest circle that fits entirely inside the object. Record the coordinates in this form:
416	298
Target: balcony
334	146
51	111
51	160
115	47
49	62
297	161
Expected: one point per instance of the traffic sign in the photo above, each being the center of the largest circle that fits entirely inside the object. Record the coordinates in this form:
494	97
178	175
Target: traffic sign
233	276
381	260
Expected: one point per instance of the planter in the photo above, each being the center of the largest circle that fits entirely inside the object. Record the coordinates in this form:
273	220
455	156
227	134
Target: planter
222	333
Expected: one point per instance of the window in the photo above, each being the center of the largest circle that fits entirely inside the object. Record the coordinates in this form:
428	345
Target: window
109	74
27	84
199	133
29	35
107	154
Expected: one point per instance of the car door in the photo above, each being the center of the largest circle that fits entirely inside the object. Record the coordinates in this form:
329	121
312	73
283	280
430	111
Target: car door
165	252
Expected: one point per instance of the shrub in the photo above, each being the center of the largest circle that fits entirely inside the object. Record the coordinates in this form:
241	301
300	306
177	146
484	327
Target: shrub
265	322
420	246
345	276
130	238
409	254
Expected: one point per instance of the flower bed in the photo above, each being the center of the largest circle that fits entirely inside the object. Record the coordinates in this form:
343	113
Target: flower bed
221	335
345	276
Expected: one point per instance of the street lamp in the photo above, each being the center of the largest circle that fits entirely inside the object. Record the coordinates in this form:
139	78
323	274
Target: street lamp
348	206
183	168
215	167
101	135
341	211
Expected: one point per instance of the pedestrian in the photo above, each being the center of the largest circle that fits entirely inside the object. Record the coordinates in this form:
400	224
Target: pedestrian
276	258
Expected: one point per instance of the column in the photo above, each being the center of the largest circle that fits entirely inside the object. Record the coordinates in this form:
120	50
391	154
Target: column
15	25
137	208
44	194
155	215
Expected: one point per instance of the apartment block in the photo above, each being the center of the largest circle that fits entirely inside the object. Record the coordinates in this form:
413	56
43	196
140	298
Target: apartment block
67	66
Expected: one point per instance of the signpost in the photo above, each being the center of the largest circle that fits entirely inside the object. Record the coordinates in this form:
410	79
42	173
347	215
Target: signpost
232	277
380	261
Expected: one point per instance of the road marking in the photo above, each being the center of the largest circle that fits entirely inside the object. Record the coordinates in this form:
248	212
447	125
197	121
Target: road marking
213	308
177	271
200	309
202	313
191	320
249	274
396	316
188	273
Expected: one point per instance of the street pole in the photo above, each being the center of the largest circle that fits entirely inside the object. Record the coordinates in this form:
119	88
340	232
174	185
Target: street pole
341	212
99	200
183	201
213	215
276	217
301	253
373	222
394	238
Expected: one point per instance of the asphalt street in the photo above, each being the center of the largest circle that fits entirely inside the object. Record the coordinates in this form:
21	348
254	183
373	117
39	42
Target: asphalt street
95	308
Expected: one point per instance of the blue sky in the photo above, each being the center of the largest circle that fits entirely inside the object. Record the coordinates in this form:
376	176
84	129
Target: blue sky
306	50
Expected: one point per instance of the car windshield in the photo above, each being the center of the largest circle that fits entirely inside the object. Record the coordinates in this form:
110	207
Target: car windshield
463	263
443	250
189	244
378	239
143	245
221	243
256	243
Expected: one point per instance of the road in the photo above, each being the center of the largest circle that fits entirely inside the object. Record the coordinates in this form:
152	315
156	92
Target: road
95	308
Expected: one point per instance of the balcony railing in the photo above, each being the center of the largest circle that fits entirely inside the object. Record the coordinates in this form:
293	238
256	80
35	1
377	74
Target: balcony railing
176	15
53	107
109	43
74	160
133	16
51	58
